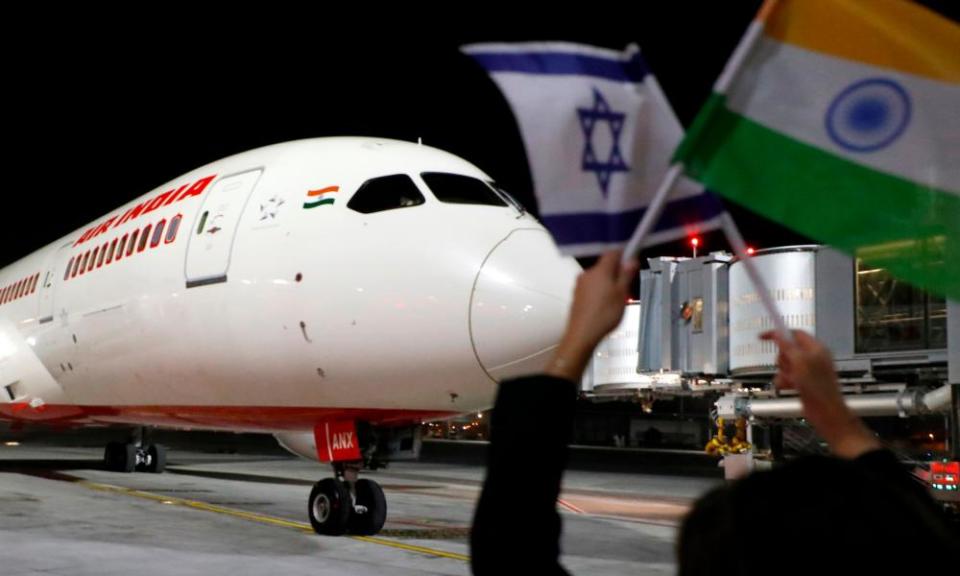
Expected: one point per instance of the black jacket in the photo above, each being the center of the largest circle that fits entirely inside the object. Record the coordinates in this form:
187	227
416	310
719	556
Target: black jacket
869	511
516	528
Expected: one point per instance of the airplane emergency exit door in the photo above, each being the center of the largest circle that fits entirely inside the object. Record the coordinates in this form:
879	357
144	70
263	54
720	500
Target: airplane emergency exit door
211	240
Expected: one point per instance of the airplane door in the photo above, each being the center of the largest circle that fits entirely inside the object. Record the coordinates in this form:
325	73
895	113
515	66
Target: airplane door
52	278
211	240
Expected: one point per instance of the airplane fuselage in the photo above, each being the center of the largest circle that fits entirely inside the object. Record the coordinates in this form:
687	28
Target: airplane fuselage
250	295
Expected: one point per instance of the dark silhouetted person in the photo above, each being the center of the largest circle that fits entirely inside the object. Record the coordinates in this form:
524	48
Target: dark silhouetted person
856	513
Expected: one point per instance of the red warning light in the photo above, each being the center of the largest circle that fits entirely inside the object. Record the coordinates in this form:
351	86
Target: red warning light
694	241
750	251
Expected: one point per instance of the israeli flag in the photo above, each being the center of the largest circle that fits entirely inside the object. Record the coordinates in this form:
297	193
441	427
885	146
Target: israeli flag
599	136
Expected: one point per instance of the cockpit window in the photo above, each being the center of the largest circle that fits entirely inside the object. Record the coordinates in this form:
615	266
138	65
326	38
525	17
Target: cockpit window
508	197
457	189
386	193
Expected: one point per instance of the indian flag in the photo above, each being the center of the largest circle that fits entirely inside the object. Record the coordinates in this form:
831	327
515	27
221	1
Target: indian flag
321	197
841	120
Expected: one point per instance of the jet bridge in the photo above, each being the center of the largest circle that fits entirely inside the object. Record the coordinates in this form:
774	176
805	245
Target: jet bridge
695	331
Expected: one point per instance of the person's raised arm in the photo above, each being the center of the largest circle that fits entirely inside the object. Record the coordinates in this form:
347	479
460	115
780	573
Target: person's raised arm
806	365
516	527
598	302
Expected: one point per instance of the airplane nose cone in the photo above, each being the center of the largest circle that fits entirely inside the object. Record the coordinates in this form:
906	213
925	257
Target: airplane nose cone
520	304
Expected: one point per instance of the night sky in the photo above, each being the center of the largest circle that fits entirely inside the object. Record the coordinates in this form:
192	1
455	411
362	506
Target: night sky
101	108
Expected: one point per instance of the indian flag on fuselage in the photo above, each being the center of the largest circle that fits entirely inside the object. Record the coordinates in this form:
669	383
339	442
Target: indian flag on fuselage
841	119
321	197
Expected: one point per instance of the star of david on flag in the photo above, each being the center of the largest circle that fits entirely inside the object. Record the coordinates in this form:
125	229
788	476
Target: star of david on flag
599	135
589	118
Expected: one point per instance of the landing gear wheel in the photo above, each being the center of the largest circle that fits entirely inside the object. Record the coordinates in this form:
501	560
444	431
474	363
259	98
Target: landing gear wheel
370	496
329	507
158	459
119	457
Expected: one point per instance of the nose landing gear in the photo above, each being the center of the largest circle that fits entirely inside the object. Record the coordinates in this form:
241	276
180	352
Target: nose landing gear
347	505
120	457
137	454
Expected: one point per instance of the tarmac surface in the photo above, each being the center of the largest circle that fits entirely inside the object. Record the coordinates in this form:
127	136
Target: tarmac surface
245	513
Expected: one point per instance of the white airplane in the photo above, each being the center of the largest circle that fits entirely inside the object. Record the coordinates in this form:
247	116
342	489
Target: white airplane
334	292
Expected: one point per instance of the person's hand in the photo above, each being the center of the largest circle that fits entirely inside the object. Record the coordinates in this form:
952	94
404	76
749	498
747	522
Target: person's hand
806	365
598	302
599	299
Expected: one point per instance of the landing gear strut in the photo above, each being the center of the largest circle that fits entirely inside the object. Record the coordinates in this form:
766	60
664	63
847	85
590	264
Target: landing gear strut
137	454
344	504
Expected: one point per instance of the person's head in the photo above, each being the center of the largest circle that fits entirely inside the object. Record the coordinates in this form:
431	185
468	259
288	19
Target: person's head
815	515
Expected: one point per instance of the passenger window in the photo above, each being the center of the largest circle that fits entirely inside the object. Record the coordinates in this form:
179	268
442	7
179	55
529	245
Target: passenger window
123	242
33	285
458	189
157	234
144	238
66	273
76	267
133	242
86	260
386	193
113	248
103	253
172	230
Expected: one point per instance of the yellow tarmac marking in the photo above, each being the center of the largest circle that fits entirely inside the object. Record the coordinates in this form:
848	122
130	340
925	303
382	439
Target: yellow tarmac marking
411	548
262	518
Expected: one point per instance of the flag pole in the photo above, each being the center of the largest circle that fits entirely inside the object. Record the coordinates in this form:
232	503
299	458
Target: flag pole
735	239
653	212
730	230
721	86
